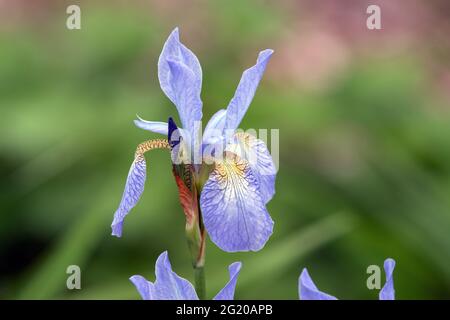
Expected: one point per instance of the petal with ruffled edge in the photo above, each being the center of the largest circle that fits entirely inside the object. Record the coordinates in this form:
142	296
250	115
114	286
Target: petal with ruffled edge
388	291
227	292
307	290
234	213
153	126
133	191
246	90
258	156
180	77
143	286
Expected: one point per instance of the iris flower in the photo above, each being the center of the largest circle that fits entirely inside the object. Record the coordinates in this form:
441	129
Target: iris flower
225	177
308	290
169	286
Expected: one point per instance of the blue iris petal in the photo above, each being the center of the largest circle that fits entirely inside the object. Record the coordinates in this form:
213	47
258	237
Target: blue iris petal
180	77
246	90
170	286
134	188
258	156
144	287
214	128
153	126
308	291
233	210
227	293
174	50
388	291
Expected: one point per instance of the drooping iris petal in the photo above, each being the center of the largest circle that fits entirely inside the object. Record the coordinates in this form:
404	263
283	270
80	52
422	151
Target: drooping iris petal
180	77
135	182
143	286
246	90
133	191
233	211
214	127
227	292
388	291
307	290
153	126
258	156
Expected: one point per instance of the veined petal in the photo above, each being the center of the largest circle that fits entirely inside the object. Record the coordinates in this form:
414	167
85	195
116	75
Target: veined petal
174	50
153	126
307	290
180	77
186	97
258	156
227	292
388	291
214	127
234	213
133	191
170	286
143	286
246	90
135	183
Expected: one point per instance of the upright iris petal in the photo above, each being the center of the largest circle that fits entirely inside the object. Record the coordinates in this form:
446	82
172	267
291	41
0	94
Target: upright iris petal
180	77
307	290
214	128
170	286
174	50
233	210
246	90
388	291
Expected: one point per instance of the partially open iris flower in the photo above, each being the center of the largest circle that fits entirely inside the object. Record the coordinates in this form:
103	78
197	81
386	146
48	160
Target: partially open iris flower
223	189
308	290
169	286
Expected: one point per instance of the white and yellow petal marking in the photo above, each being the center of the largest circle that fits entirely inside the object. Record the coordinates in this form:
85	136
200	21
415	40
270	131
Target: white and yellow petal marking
134	186
233	211
258	156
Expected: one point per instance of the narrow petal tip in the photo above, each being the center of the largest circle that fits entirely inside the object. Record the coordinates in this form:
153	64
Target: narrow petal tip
227	292
116	229
265	54
143	286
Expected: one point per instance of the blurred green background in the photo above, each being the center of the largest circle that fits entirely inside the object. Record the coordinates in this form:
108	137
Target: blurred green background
364	125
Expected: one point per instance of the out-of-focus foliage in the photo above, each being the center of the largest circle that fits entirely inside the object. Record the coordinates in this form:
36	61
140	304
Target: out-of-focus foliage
364	162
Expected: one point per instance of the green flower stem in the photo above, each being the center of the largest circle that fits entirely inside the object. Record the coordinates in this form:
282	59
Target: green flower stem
196	243
200	283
